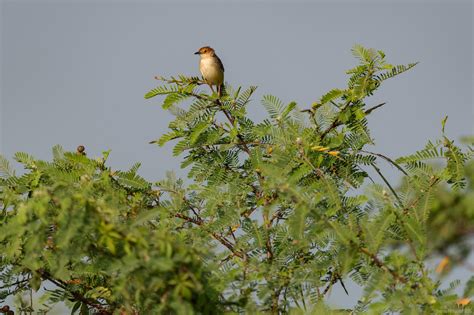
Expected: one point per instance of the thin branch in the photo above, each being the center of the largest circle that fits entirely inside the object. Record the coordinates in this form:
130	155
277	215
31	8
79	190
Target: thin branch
433	182
76	295
231	119
334	278
330	284
302	297
15	283
343	285
268	243
386	158
382	266
197	220
218	237
336	123
370	110
388	184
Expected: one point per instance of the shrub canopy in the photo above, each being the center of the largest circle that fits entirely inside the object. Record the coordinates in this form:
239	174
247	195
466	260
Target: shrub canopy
274	214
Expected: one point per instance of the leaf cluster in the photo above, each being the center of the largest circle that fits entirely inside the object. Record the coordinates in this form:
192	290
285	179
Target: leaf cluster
274	215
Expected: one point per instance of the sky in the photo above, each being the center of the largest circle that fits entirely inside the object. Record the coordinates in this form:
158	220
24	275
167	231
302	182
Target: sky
75	72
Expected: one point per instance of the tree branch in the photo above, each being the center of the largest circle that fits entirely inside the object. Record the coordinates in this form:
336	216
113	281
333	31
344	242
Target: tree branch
14	283
370	110
76	295
337	122
387	183
216	236
386	158
381	265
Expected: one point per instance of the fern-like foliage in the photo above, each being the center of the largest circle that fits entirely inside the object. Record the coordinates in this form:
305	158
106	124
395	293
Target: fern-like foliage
273	215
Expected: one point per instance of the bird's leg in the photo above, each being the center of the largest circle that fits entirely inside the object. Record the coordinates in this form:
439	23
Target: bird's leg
212	89
219	90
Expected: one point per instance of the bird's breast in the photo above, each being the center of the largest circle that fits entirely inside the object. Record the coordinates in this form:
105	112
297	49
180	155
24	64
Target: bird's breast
211	71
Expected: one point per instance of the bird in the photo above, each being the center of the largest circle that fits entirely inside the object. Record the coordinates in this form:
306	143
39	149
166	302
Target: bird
211	68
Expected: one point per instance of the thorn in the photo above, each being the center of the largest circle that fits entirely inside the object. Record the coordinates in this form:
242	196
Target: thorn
343	286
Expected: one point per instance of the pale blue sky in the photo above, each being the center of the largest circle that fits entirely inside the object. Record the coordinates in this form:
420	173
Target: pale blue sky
75	72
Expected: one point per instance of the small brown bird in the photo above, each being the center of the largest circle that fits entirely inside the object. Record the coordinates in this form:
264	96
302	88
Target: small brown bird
211	68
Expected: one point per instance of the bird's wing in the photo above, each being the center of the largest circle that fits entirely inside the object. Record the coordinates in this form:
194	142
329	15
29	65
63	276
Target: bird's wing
220	63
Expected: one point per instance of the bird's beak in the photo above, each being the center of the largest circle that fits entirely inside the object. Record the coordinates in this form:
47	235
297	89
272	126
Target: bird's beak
197	53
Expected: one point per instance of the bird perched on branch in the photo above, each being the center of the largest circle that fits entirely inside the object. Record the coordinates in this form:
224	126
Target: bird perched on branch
211	68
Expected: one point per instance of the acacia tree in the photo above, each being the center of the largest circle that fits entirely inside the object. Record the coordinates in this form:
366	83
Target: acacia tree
272	218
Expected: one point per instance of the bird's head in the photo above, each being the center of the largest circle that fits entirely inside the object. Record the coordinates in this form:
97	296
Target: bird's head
205	51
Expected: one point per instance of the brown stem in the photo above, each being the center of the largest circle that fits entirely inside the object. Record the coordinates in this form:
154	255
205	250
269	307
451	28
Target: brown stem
332	281
76	295
387	183
268	243
382	266
232	120
15	283
433	182
337	122
370	110
386	158
216	236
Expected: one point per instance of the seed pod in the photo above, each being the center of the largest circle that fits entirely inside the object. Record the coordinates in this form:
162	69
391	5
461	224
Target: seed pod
81	150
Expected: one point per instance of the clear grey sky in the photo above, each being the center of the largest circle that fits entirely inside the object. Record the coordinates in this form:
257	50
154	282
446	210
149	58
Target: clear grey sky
75	72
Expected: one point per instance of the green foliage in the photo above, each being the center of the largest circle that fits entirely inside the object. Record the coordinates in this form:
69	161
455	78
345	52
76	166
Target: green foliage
95	234
272	218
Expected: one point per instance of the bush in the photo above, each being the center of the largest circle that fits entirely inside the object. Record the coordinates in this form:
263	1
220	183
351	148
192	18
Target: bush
272	219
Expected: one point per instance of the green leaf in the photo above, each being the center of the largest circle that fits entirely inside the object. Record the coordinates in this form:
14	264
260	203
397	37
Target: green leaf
168	137
377	230
25	158
443	123
416	231
180	147
297	222
469	288
130	179
363	54
173	99
197	131
332	95
394	71
160	90
273	105
244	97
76	307
288	109
5	169
58	152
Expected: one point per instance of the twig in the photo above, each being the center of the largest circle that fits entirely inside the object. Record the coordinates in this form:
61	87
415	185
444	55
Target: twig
337	122
268	243
334	278
386	158
15	283
330	284
381	265
232	121
433	182
79	297
370	110
218	237
387	183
